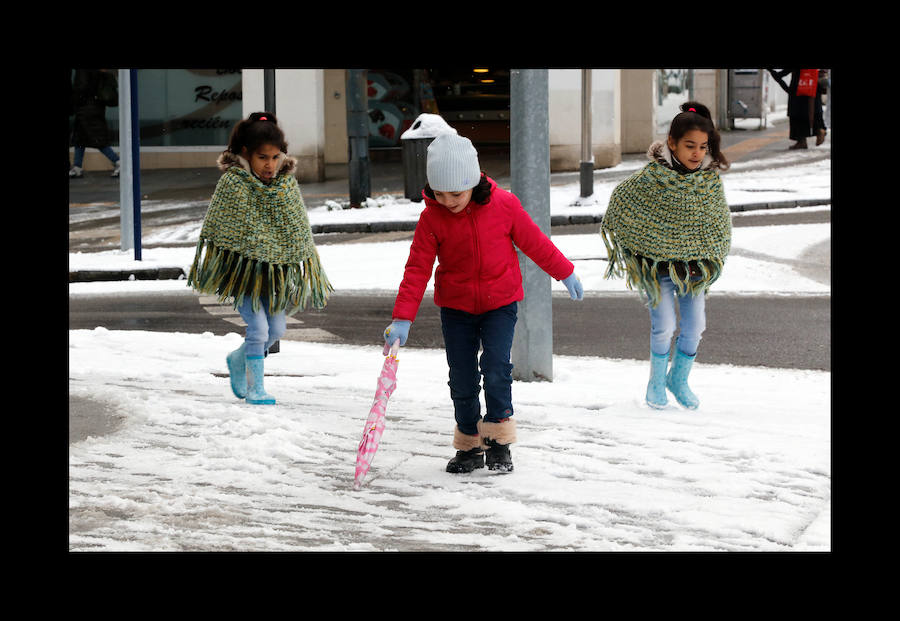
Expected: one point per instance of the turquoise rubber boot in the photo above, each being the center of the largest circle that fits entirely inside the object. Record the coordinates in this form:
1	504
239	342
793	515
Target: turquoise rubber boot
237	370
656	387
256	392
676	380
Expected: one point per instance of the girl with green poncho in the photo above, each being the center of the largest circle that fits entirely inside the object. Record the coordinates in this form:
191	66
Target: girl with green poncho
667	230
256	248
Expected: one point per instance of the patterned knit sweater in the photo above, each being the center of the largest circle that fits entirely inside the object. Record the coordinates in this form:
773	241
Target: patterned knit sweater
658	219
256	241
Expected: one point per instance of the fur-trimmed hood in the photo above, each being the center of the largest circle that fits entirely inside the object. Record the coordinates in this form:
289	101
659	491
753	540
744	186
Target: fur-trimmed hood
659	152
286	166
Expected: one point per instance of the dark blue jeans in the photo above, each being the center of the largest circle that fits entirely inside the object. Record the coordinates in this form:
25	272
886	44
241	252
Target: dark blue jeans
464	333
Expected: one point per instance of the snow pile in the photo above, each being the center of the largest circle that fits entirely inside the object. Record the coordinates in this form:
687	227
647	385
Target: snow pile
762	260
427	126
189	467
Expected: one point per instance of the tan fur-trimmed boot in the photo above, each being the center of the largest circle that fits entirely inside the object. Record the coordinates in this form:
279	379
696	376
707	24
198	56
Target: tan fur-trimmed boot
469	452
496	438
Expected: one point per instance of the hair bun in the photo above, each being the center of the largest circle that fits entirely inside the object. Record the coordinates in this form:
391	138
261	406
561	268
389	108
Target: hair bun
263	116
696	108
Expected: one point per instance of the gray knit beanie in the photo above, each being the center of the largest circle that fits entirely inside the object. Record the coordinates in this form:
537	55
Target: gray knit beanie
452	164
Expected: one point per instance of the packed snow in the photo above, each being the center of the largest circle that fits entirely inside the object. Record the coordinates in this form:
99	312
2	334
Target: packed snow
182	465
427	126
187	466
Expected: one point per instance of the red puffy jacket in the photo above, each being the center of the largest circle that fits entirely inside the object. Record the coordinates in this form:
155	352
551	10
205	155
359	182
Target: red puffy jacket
478	268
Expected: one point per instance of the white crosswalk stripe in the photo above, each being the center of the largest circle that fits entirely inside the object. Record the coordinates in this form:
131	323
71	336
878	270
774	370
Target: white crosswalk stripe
295	327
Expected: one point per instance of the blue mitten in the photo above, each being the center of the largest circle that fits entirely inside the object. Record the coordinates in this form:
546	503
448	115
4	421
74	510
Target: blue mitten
576	290
399	329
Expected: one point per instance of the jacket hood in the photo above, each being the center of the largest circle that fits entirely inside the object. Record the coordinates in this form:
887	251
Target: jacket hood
227	159
659	152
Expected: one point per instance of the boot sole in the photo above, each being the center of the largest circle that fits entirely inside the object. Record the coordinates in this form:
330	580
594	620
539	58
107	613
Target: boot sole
261	401
464	470
501	468
688	407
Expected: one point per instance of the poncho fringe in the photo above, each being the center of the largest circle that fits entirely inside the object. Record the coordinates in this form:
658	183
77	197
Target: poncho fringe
290	287
641	273
656	217
276	258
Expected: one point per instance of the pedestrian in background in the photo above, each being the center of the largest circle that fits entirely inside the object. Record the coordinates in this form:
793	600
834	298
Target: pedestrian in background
93	90
668	230
256	247
804	111
473	227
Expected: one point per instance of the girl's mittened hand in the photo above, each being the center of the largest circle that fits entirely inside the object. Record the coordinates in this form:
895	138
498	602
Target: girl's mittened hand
573	284
398	329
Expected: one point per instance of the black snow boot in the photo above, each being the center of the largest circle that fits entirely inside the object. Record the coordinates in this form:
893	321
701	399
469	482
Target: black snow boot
466	461
496	438
498	457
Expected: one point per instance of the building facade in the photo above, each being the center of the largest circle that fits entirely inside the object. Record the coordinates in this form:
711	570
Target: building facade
186	115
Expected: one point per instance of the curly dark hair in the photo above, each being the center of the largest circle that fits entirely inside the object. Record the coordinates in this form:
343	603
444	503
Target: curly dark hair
481	193
695	115
256	130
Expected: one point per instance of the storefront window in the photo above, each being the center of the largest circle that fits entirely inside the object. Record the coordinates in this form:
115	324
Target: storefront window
184	107
473	100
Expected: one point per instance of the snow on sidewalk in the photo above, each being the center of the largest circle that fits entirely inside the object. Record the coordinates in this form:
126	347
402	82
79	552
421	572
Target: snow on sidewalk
766	268
189	467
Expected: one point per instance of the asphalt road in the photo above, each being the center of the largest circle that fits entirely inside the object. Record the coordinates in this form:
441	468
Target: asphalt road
771	331
756	330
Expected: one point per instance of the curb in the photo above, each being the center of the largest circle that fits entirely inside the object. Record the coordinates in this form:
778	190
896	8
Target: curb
154	273
176	273
563	220
802	202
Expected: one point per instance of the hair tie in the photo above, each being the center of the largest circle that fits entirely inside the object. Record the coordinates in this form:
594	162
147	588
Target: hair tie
691	110
265	118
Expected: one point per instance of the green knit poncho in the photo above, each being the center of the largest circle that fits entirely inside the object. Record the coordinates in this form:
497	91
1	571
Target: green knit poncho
660	216
256	241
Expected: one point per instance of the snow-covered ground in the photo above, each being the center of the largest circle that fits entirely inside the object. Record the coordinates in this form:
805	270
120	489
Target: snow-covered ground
189	467
760	262
186	466
744	183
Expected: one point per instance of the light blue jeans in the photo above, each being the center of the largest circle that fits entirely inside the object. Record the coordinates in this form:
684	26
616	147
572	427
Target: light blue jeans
107	151
663	320
263	329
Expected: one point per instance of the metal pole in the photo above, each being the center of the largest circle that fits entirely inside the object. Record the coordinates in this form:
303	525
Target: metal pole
723	101
358	136
126	187
532	351
269	105
135	161
587	156
269	89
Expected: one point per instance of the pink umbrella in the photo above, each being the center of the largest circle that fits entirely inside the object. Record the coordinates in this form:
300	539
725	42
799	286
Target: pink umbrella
387	382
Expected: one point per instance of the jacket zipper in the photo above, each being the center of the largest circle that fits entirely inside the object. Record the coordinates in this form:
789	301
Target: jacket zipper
471	216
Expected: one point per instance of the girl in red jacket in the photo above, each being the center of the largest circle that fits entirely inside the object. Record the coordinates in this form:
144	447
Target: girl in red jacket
470	225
